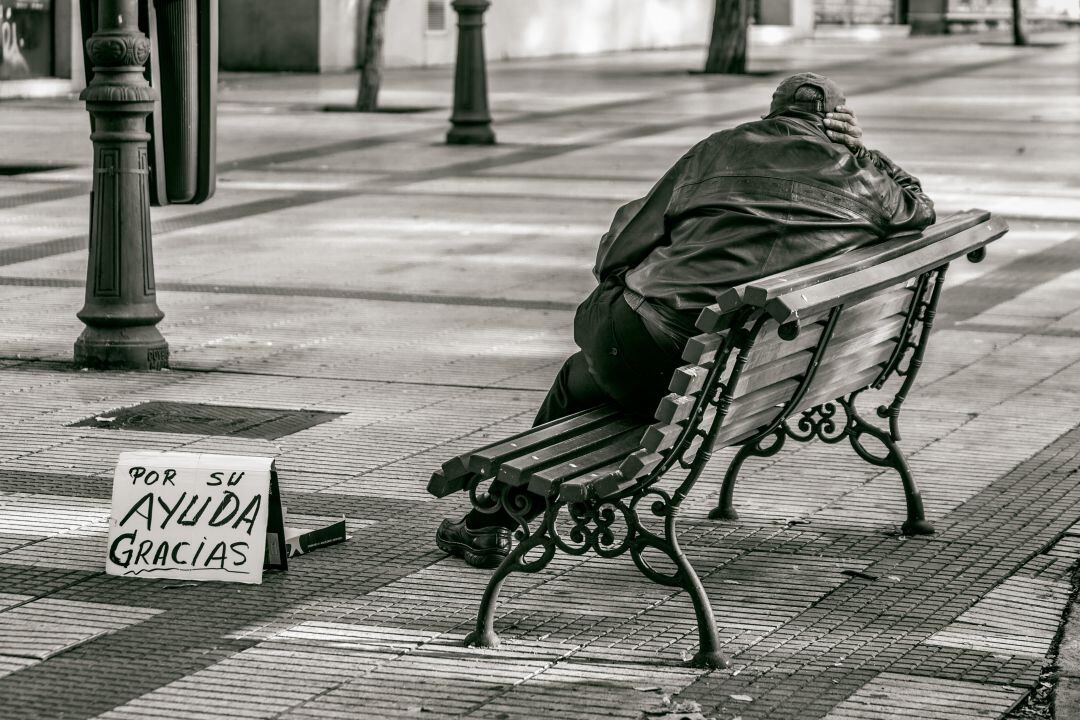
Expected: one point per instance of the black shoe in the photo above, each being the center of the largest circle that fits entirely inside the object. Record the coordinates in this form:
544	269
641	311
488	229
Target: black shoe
482	548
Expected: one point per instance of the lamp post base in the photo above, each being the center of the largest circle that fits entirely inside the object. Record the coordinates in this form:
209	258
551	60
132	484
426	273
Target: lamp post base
131	348
479	134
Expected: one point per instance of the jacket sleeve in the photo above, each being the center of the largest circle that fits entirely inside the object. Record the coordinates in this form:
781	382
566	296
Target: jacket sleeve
637	227
906	205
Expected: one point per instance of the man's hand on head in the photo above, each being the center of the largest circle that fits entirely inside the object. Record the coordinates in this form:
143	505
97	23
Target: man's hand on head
842	127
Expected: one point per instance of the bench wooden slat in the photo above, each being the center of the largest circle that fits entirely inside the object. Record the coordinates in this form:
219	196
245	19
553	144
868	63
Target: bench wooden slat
766	385
630	471
770	396
515	471
576	489
760	292
710	327
661	436
456	472
635	466
702	349
546	480
439	486
451	477
456	466
755	410
844	384
689	379
771	346
795	365
718	316
639	463
794	305
674	408
745	427
834	374
483	461
780	369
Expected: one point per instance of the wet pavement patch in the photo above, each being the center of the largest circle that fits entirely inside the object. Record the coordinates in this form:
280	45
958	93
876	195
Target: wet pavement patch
218	420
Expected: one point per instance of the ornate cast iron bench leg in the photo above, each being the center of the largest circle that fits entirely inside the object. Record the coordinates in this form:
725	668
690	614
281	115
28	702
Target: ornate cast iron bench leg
724	509
820	422
519	506
916	523
591	528
708	654
684	577
484	635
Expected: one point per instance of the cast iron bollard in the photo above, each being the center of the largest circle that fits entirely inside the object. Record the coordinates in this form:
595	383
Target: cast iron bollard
471	120
121	309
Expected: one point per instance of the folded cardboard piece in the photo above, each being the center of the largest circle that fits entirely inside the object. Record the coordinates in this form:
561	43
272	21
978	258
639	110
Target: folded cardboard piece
302	535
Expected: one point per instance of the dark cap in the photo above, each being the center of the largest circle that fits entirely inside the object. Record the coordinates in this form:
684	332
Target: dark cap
784	96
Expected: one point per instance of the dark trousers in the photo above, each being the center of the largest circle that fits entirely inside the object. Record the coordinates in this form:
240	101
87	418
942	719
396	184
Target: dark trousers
619	363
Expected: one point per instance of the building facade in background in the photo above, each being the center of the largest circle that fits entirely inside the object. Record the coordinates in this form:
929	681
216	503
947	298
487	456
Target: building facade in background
41	54
327	35
36	43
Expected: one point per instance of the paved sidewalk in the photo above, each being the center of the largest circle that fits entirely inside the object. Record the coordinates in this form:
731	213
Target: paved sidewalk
354	264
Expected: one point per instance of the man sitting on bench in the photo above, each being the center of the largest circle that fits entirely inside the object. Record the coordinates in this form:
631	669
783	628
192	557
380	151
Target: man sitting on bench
792	188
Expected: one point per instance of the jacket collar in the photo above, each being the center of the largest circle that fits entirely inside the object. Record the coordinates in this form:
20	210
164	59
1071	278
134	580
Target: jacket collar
815	120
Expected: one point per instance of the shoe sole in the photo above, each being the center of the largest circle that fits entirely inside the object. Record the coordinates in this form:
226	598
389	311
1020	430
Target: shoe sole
470	556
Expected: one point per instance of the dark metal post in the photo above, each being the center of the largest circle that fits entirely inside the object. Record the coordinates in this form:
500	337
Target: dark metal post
471	121
121	309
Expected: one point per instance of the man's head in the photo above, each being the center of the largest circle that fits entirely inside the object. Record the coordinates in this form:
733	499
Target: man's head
808	92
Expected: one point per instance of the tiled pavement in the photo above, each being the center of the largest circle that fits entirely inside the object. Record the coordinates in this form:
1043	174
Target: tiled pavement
352	264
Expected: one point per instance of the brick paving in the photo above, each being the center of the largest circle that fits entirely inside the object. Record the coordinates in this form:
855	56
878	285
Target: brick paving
422	294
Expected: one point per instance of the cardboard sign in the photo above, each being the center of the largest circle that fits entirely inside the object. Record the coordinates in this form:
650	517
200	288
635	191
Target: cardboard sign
195	517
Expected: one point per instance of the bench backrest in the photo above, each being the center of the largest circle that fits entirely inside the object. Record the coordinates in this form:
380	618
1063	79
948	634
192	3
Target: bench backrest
842	351
800	339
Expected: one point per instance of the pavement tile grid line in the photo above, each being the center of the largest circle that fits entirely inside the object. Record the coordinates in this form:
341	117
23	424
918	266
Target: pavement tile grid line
407	672
941	578
712	529
897	696
689	628
457	170
192	615
1019	617
43	628
363	346
688	633
382	430
429	459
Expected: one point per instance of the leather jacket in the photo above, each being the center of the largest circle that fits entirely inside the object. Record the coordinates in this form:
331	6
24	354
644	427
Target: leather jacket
748	202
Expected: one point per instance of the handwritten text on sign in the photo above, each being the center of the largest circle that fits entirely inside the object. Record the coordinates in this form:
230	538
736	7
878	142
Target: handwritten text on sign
190	516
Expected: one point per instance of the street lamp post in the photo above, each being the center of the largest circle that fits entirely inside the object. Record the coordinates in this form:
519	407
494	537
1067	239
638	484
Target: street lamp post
120	311
470	121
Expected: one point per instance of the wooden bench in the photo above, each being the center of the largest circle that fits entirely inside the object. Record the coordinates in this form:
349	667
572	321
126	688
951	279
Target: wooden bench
802	346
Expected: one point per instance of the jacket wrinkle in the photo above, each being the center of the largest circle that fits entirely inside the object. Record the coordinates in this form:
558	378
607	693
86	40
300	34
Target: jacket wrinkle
758	199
